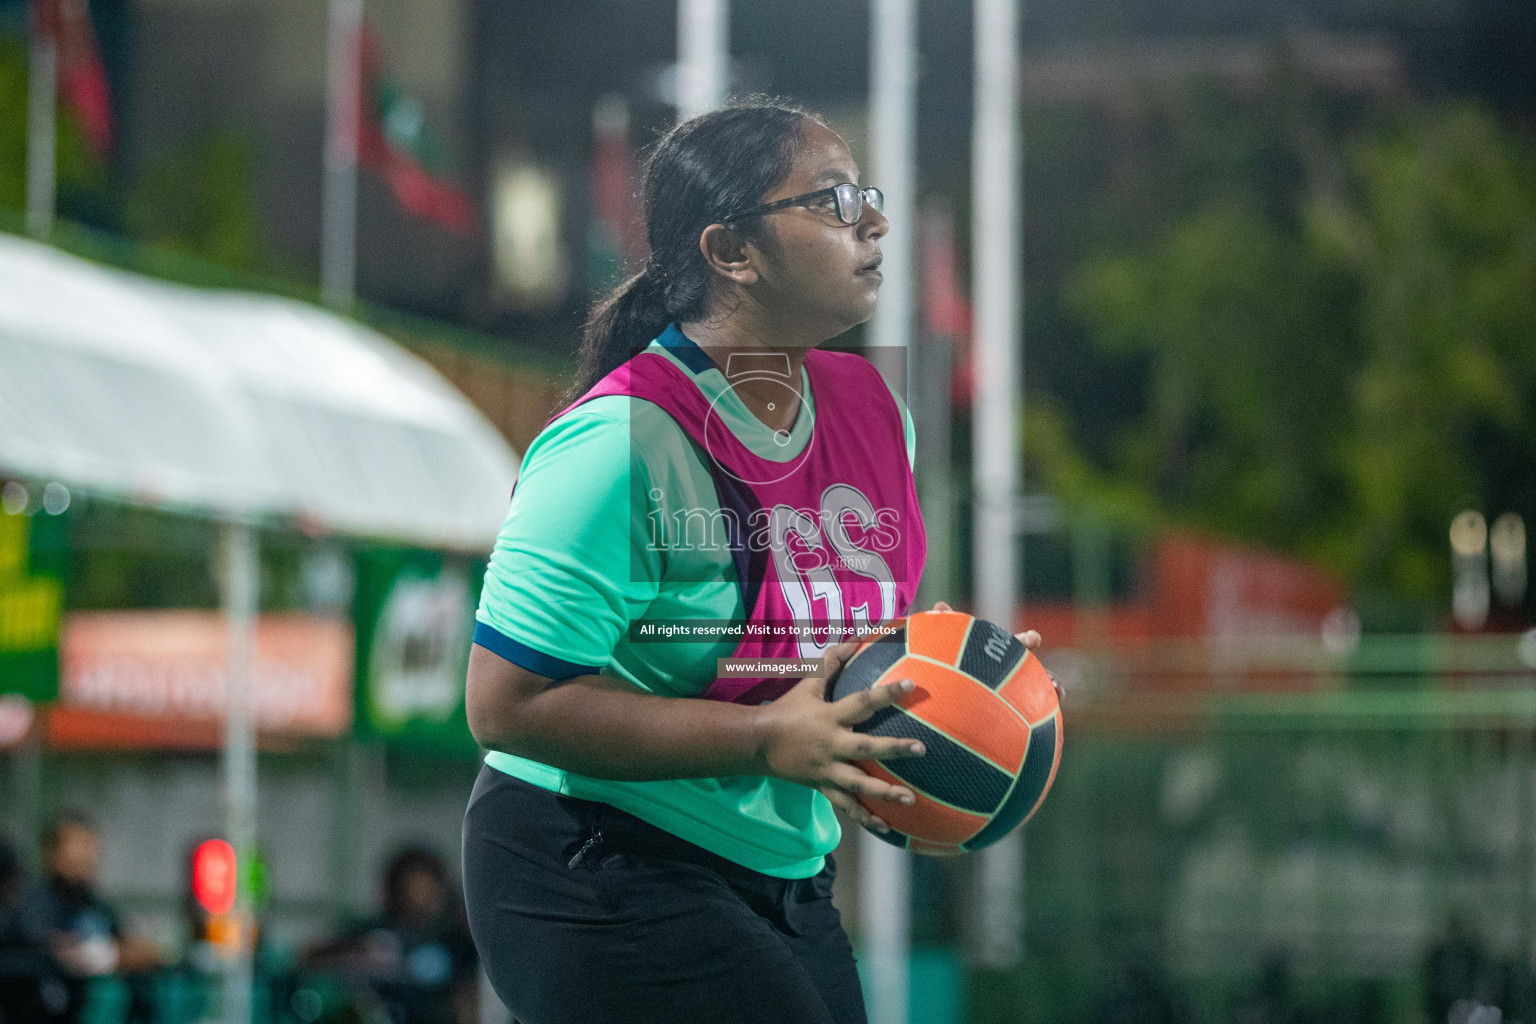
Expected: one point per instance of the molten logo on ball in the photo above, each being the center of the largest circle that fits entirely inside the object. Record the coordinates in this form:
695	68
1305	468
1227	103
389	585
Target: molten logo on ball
989	720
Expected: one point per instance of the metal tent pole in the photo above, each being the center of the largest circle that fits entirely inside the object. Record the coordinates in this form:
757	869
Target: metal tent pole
241	581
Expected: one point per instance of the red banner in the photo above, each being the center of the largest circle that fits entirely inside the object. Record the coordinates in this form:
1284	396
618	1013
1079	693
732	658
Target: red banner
136	679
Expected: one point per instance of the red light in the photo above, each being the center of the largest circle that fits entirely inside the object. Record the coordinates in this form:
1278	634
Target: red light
213	876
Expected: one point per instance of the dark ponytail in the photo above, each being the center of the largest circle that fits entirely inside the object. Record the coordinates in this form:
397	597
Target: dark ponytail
696	175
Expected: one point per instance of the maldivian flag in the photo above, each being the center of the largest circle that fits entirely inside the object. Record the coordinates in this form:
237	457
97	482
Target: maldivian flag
946	308
391	137
82	76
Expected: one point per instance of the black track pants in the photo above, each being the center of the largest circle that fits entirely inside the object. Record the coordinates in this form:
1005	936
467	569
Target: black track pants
646	926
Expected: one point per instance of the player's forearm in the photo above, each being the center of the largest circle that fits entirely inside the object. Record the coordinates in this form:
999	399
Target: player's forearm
585	725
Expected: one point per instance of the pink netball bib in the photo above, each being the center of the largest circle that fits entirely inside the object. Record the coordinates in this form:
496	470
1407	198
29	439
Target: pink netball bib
825	544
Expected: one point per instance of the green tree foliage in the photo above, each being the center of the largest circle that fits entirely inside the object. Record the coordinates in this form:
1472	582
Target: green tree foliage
1442	240
1248	359
200	201
13	124
1334	365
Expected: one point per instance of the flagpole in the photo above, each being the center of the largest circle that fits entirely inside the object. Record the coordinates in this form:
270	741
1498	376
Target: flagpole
42	99
703	55
936	334
885	871
996	410
338	215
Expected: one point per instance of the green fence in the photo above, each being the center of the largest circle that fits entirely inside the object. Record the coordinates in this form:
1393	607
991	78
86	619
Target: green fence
184	995
1364	855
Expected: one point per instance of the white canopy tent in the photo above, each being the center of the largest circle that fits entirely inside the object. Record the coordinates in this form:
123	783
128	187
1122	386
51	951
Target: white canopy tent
236	405
242	407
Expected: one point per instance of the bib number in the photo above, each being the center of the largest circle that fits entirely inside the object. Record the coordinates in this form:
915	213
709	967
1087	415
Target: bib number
806	576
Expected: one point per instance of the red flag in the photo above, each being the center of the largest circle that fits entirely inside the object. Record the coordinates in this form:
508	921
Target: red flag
82	76
427	197
421	193
945	306
614	181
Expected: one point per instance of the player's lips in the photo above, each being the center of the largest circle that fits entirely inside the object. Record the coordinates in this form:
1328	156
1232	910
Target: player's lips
872	268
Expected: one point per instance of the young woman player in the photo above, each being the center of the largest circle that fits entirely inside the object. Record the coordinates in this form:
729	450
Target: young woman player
650	840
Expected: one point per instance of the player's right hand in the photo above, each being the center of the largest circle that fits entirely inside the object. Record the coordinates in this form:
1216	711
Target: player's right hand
810	740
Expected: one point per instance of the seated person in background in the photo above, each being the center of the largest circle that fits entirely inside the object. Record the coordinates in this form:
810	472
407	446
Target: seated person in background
23	961
65	915
417	955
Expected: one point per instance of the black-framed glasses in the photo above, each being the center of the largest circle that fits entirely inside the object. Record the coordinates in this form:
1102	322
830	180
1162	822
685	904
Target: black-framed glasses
847	199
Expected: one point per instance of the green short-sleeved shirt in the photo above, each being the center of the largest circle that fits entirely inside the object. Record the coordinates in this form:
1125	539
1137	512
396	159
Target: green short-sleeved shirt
579	559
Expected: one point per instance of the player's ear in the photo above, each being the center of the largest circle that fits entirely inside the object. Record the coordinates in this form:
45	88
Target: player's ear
729	254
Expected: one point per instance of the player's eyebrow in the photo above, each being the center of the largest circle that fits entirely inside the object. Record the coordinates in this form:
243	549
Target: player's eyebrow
832	176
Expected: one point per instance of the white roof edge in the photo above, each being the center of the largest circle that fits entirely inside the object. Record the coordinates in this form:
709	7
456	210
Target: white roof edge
236	404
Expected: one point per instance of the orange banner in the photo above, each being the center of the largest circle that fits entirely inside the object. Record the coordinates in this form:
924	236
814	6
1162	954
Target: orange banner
171	668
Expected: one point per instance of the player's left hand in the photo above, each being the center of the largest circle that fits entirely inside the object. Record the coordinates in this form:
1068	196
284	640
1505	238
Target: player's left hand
1029	638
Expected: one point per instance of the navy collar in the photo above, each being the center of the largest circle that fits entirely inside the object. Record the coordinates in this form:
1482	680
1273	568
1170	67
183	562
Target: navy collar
686	350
